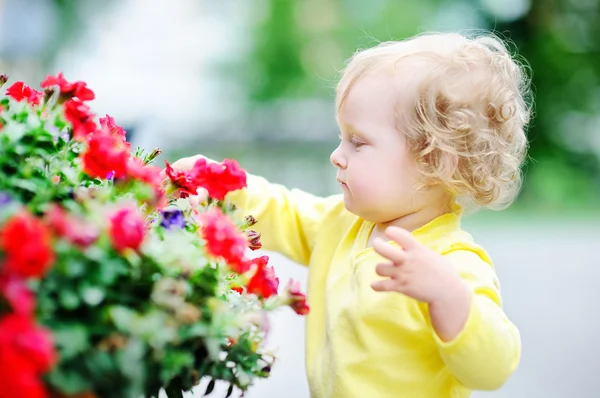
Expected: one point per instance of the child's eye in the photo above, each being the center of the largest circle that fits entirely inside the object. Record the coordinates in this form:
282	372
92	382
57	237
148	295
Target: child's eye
357	143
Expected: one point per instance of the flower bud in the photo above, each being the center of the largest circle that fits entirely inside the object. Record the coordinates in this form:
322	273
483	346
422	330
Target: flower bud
295	298
153	155
253	240
250	221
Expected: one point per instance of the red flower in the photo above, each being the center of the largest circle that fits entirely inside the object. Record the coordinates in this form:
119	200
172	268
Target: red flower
224	239
219	178
79	232
150	175
253	240
17	294
108	123
106	154
27	352
295	298
237	289
183	180
20	91
69	90
79	115
264	283
127	229
26	244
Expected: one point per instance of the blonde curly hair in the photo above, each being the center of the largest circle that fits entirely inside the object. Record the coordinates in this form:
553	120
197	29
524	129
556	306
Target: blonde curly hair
472	105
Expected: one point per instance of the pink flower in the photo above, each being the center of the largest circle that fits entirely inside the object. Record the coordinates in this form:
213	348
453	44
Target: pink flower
17	294
224	239
79	232
127	229
108	123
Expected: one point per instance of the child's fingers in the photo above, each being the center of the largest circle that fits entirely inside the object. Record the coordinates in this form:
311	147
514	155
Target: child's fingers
393	253
402	237
387	285
200	197
386	269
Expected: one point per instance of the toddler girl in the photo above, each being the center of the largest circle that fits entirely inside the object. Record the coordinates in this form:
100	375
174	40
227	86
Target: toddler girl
403	302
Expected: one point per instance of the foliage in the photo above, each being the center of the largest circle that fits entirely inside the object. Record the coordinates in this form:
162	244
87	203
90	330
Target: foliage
114	280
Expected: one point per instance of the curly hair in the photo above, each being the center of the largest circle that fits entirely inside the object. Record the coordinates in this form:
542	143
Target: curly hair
472	105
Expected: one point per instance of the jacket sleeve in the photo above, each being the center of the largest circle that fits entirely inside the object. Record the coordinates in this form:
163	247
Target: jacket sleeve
487	351
288	220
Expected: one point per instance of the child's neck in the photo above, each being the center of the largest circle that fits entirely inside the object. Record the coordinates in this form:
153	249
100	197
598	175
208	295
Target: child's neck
410	221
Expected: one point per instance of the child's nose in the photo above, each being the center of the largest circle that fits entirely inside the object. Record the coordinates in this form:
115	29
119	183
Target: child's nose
337	159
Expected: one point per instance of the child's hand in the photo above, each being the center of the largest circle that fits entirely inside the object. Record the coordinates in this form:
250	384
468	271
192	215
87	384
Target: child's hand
415	270
187	163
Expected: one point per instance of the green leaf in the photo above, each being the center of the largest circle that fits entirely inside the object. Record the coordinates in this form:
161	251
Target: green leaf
109	270
73	267
14	132
92	295
196	330
129	360
210	387
69	299
153	390
123	317
174	363
71	174
101	364
26	185
174	389
70	339
69	382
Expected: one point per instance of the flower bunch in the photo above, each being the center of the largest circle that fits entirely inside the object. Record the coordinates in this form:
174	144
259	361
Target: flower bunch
114	280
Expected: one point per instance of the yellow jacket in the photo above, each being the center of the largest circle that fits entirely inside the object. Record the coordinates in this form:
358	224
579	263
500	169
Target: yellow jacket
361	343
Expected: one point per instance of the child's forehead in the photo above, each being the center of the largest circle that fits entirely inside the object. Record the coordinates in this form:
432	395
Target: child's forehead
390	84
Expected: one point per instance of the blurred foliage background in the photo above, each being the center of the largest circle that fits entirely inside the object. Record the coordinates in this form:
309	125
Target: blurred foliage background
280	76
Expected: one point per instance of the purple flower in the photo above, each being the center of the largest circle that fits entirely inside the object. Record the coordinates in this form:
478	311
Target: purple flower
172	218
4	199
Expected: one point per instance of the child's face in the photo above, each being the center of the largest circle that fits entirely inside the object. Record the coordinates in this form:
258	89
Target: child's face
376	170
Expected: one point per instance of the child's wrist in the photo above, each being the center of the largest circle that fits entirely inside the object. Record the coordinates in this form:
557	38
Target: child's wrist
456	293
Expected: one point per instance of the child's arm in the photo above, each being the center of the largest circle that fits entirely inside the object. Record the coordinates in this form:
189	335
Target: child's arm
287	219
478	343
486	351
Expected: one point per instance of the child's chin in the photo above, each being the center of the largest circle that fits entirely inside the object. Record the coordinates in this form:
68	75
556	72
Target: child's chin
350	205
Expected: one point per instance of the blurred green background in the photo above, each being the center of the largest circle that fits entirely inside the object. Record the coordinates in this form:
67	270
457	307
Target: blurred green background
254	80
281	73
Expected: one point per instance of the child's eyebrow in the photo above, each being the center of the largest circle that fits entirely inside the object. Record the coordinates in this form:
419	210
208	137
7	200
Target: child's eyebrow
353	131
348	128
